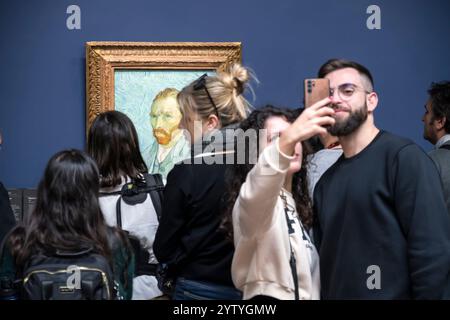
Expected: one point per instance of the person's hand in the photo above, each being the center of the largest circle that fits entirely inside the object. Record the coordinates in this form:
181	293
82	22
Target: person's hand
311	122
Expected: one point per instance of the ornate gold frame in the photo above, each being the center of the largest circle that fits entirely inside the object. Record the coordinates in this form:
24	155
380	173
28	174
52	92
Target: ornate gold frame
102	58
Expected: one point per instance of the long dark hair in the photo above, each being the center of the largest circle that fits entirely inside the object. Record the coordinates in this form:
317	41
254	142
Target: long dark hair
67	214
113	143
237	173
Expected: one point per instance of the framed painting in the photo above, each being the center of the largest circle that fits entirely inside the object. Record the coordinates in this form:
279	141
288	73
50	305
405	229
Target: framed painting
142	79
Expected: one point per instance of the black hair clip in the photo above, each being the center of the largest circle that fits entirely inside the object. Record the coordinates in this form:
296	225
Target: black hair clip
200	83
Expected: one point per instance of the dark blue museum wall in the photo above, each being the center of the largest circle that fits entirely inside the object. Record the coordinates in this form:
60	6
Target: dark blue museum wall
42	75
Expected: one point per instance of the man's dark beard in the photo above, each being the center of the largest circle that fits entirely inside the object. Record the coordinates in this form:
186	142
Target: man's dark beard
429	135
354	121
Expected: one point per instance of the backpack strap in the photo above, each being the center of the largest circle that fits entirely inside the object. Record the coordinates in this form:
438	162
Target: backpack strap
119	212
113	193
155	185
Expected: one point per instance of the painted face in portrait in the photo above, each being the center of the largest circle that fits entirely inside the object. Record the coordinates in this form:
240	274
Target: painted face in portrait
165	117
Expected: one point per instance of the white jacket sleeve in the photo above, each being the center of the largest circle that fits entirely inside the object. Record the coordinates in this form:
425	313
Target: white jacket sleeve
259	193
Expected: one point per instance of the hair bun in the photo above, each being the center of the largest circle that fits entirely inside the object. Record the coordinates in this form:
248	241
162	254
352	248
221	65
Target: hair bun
236	77
239	85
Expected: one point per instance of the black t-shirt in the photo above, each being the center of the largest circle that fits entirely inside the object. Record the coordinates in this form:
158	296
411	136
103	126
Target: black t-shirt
382	228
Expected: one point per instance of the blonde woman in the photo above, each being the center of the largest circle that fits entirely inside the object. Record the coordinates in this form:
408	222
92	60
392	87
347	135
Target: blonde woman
188	238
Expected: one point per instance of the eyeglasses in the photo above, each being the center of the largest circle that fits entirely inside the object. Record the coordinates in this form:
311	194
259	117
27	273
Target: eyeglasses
199	84
346	91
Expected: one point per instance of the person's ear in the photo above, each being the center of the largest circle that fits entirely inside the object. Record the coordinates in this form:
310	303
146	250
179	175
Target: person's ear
212	122
372	101
439	123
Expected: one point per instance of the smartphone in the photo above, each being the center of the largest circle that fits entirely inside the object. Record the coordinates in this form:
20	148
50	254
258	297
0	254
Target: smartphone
316	90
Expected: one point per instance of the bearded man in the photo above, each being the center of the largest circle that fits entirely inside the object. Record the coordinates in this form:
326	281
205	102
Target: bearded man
382	227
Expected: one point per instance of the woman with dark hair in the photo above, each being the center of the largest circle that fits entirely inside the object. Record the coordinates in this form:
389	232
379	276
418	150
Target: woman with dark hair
269	209
189	239
113	143
67	218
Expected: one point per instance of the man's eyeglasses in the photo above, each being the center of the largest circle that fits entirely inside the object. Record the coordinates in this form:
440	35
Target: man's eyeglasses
199	84
346	91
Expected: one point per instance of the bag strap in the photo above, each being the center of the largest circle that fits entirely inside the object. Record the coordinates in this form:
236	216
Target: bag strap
155	185
119	212
292	260
73	254
112	193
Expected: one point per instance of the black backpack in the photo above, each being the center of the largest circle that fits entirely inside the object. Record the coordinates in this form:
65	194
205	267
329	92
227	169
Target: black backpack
134	193
82	275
